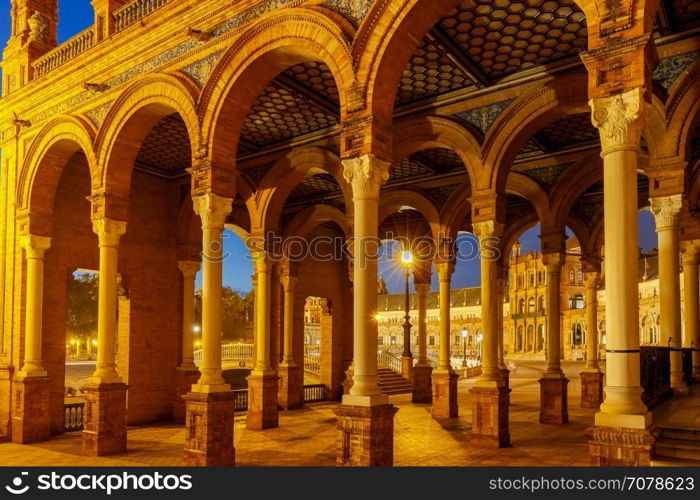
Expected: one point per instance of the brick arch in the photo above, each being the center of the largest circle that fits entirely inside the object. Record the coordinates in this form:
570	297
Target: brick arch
269	46
563	96
392	201
389	35
311	217
416	134
41	170
572	184
285	175
130	119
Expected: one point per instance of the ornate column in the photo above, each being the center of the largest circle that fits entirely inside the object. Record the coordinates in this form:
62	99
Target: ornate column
187	372
31	417
691	298
444	377
263	381
621	432
591	376
291	391
209	406
422	380
105	393
489	394
365	419
666	210
553	384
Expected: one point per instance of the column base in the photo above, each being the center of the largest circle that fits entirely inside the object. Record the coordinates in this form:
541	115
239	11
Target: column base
31	422
209	429
554	400
444	396
422	384
104	431
591	389
347	383
407	368
365	435
621	446
291	387
185	378
505	377
263	411
490	417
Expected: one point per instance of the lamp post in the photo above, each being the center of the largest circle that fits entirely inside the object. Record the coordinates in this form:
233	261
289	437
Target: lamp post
479	337
407	260
464	347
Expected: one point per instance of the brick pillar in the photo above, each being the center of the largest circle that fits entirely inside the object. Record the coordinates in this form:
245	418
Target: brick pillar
591	389
105	419
365	435
185	378
31	416
209	429
422	384
444	395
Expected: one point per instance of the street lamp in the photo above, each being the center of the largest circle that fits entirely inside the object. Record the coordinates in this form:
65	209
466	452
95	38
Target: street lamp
196	329
479	337
464	347
407	260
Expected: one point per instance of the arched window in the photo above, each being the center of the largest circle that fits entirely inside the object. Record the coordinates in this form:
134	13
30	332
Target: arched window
532	279
572	276
576	334
521	306
519	339
580	277
531	305
539	277
540	305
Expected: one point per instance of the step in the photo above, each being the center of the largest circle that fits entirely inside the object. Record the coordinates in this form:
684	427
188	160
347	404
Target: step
678	448
674	462
687	434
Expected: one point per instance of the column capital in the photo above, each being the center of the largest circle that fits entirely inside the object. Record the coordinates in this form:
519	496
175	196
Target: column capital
422	288
213	209
591	278
445	270
35	246
189	268
487	229
288	281
261	261
108	231
620	119
666	210
367	174
689	251
553	262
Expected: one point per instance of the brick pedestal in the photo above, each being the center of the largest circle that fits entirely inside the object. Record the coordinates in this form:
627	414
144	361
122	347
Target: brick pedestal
554	401
185	378
591	389
104	430
422	384
490	417
365	435
407	368
621	446
444	396
31	421
263	411
209	429
505	377
291	387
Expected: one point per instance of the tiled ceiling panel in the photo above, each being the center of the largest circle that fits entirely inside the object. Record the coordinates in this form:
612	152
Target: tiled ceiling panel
166	149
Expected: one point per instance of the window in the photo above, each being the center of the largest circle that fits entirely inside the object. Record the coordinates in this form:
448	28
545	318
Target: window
532	279
580	277
576	334
540	305
457	339
380	340
576	301
572	276
393	340
431	340
539	277
521	306
531	305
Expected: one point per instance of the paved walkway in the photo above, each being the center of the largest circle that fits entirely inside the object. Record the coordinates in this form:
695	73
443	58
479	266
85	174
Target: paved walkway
308	436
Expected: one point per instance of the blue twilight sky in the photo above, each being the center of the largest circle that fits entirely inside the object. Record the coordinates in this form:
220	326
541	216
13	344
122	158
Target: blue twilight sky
76	15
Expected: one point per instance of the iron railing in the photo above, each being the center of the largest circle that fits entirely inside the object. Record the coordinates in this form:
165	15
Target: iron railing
240	404
73	417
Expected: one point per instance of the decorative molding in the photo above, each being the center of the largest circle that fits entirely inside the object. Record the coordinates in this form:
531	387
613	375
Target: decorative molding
620	119
200	70
213	209
487	229
189	268
670	68
666	210
353	10
367	174
35	246
547	176
108	231
98	114
485	116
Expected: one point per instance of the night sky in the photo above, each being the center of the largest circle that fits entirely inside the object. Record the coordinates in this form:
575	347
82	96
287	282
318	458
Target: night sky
76	15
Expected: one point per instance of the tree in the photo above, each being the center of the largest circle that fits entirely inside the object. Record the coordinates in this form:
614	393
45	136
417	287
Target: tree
237	314
82	304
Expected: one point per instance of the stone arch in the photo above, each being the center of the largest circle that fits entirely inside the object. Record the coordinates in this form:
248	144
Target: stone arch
273	191
43	165
528	188
455	210
574	182
388	36
392	201
135	112
305	221
269	46
523	118
416	134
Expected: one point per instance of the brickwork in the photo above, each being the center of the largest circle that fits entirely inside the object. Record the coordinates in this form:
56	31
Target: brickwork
591	389
184	379
263	411
618	446
365	435
291	392
209	429
444	396
422	385
490	417
31	420
104	419
554	401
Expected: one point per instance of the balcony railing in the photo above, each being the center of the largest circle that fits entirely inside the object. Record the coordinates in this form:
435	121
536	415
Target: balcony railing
312	364
316	393
229	352
388	360
133	12
73	417
64	52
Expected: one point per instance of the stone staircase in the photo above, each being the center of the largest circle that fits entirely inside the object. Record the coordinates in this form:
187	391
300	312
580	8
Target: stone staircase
678	446
392	383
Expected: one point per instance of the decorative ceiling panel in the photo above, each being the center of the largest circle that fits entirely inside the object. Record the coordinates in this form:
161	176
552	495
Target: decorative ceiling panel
406	169
504	36
547	176
315	185
316	77
685	13
429	73
439	195
569	131
441	159
166	149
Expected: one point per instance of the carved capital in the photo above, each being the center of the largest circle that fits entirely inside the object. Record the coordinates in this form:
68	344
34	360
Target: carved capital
213	209
367	174
261	261
553	262
620	120
690	249
189	268
666	210
108	231
288	283
487	229
422	289
35	246
445	270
